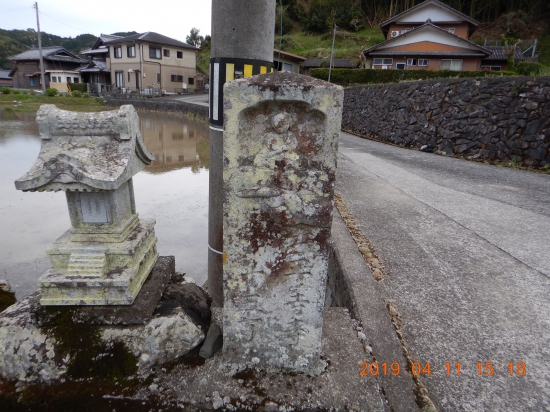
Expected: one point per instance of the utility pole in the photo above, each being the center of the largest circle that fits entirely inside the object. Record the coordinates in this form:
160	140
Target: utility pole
332	52
242	46
43	79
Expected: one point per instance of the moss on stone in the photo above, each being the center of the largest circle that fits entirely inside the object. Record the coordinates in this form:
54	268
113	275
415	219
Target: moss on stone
89	355
6	299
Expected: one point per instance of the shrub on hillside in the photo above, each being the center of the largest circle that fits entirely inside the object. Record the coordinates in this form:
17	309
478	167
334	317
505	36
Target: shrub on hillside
5	90
76	93
50	91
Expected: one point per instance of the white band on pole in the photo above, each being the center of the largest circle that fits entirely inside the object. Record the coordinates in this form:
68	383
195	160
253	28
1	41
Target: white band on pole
216	128
215	251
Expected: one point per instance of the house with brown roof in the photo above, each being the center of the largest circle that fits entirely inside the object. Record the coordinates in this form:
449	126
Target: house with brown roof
428	36
150	61
60	66
97	73
287	62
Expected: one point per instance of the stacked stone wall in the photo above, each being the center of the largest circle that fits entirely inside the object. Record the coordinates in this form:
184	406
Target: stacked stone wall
497	119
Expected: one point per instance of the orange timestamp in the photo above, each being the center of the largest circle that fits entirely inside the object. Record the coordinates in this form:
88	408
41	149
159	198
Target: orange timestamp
455	369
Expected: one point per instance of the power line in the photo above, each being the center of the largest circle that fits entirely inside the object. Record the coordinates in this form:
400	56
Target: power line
68	25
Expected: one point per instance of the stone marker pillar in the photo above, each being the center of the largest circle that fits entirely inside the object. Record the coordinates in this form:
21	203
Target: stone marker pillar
106	256
280	144
242	46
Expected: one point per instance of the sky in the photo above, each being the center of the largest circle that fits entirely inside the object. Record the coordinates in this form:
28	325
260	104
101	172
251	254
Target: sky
69	18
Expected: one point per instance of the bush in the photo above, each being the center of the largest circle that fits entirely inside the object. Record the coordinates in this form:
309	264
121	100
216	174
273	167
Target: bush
527	68
86	95
77	93
377	76
50	91
81	87
5	90
16	92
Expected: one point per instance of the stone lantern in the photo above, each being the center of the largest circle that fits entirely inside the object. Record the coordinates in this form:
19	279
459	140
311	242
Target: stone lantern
107	254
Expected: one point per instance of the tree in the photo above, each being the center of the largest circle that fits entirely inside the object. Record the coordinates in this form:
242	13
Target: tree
194	39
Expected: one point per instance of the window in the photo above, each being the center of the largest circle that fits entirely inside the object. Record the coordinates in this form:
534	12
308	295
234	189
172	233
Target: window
131	51
385	62
166	52
179	55
31	79
422	62
119	79
117	51
154	53
403	31
54	78
492	68
400	66
158	77
191	80
128	77
455	65
176	78
76	80
68	79
287	67
411	62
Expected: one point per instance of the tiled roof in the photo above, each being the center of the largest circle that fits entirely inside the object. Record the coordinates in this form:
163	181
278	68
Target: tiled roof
152	37
5	74
336	63
426	26
95	66
420	53
499	53
48	53
426	3
283	53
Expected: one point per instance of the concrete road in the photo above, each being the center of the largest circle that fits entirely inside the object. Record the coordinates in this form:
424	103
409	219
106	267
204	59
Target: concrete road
200	98
466	249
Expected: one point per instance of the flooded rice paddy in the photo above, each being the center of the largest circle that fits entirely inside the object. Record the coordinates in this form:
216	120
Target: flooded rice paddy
173	190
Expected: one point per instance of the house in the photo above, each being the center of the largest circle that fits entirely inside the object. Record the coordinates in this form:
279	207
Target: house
498	60
60	66
287	62
428	36
96	73
336	64
5	78
150	61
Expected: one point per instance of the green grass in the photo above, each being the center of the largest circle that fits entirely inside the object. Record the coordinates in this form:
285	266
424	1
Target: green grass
346	46
29	102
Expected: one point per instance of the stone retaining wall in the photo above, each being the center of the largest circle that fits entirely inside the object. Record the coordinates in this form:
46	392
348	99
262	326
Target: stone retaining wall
498	119
161	105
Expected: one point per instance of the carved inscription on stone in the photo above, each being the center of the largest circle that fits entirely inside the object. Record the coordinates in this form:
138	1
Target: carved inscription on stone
280	146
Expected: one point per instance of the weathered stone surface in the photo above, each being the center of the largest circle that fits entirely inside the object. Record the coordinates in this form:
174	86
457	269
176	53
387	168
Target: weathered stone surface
494	108
212	342
7	295
108	253
86	151
139	312
193	300
280	142
31	351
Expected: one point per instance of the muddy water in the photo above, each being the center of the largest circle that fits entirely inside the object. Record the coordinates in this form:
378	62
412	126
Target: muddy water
173	190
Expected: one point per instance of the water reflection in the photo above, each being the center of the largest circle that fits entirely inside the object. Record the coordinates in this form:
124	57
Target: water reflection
173	190
176	143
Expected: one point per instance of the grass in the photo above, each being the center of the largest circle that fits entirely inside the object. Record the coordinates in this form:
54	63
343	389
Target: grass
31	102
346	45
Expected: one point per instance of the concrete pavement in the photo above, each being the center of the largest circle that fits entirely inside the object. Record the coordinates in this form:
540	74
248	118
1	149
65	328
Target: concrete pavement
467	270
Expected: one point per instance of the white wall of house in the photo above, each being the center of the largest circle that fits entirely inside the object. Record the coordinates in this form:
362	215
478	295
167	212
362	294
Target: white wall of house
61	76
433	12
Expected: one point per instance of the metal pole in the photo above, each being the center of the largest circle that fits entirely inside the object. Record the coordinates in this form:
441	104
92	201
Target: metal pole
332	53
40	50
242	45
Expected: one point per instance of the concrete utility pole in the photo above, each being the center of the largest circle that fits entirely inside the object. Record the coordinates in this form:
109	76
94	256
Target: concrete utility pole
43	79
242	46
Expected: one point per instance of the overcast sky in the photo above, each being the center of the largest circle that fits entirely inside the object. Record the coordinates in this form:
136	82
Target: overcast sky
172	18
